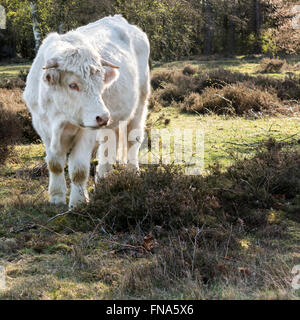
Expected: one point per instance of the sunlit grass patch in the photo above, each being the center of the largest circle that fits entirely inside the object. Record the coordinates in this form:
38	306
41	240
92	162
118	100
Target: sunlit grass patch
226	135
13	70
239	64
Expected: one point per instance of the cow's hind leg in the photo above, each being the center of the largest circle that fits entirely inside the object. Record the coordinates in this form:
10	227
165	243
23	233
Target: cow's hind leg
135	130
79	167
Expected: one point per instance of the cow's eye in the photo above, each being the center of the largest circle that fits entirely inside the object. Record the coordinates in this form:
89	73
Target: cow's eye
74	86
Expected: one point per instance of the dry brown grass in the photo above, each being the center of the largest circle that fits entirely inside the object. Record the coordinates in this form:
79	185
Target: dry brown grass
237	99
190	69
10	129
12	100
272	65
224	92
17	82
165	197
160	77
15	121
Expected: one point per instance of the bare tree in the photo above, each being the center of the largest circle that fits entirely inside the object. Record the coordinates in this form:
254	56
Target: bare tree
35	25
208	26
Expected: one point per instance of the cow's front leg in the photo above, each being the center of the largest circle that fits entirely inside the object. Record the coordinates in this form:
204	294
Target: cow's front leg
56	159
79	167
57	183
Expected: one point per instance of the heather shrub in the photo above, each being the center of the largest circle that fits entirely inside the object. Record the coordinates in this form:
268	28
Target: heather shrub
16	121
220	77
29	135
170	93
166	197
10	132
272	65
15	82
237	99
12	83
158	78
193	102
223	91
190	69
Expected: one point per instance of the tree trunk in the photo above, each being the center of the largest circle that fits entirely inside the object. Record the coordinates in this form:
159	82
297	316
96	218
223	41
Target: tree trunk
257	25
35	25
2	18
208	27
257	17
61	28
231	30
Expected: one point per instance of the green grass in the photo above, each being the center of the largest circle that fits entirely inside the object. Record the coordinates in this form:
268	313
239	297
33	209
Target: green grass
224	135
10	71
235	65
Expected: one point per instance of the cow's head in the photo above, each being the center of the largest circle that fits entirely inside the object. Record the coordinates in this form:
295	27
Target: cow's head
76	79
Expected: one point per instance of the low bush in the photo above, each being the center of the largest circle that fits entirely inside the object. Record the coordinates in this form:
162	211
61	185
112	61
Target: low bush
10	132
272	65
15	82
193	102
236	99
165	197
190	69
158	78
15	122
207	92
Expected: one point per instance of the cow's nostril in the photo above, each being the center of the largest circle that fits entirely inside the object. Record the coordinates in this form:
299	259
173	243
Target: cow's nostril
102	121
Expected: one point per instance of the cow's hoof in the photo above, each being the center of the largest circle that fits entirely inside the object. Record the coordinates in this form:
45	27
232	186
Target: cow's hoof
76	204
78	196
58	200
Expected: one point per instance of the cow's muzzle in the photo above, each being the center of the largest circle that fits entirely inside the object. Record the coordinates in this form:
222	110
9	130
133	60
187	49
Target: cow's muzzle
102	121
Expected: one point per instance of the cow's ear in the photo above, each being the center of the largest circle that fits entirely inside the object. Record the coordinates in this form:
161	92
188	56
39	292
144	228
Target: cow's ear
51	76
111	75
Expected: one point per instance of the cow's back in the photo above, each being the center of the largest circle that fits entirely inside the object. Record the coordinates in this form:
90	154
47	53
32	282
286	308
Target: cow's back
127	46
114	36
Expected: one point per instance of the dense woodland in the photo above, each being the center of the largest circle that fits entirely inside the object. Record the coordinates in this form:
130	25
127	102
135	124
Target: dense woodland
176	28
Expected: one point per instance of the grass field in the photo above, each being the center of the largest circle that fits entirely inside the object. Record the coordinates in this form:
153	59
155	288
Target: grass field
10	71
233	252
238	64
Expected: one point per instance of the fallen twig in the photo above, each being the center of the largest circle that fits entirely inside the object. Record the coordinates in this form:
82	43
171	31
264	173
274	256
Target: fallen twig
58	215
126	246
30	226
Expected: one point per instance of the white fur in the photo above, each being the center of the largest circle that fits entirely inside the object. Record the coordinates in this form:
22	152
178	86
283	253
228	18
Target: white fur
63	117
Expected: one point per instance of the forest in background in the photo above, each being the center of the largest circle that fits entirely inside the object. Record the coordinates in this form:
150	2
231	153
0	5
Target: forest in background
176	28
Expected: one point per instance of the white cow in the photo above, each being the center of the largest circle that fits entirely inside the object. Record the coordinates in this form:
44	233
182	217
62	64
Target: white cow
91	78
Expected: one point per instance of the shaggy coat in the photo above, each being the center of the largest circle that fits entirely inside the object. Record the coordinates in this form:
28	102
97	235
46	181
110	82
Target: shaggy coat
81	87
